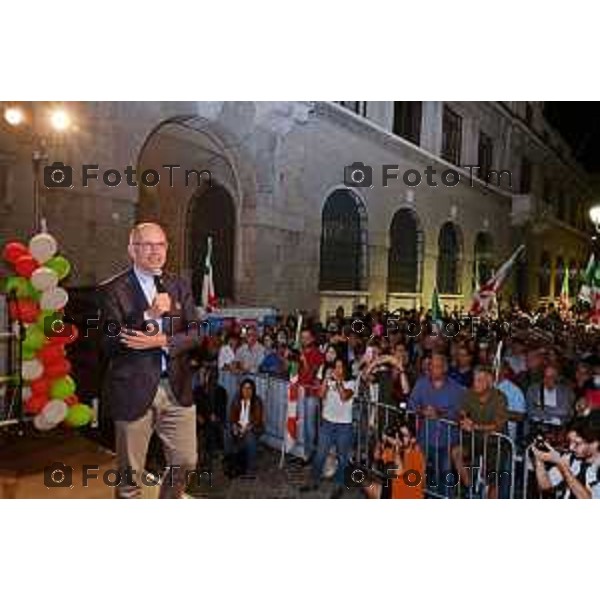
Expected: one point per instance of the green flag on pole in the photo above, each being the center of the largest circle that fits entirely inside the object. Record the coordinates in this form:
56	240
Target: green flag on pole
564	291
436	311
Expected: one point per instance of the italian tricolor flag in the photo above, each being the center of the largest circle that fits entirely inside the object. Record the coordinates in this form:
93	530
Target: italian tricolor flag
209	298
294	395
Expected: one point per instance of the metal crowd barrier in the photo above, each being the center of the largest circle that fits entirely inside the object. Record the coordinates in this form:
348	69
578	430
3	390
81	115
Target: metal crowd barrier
489	460
273	393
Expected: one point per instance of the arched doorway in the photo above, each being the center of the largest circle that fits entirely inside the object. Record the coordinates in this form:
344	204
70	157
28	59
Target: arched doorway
212	213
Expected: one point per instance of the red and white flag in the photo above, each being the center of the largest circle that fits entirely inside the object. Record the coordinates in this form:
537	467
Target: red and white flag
209	298
295	393
484	298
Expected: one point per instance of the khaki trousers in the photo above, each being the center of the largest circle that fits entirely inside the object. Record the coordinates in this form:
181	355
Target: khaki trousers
175	425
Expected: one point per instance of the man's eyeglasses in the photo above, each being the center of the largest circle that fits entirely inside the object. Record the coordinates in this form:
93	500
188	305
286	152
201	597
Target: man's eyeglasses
147	246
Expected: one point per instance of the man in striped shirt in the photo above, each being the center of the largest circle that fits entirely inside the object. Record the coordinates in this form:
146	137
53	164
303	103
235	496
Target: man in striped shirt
578	474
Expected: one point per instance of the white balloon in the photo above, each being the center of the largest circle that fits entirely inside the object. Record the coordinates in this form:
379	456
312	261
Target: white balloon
54	299
44	278
43	247
51	415
32	369
40	423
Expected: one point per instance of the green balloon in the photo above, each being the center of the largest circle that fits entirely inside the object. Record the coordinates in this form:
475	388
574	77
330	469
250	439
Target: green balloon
27	353
78	415
32	292
60	265
34	338
44	314
22	287
18	285
62	388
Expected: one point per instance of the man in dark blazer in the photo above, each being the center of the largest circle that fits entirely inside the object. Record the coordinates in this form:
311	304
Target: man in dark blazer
149	327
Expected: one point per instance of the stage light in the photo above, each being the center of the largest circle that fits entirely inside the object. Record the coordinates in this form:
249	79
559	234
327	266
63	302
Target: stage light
14	116
595	217
60	120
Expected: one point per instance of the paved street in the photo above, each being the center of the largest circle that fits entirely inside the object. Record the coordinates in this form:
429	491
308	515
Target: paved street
271	482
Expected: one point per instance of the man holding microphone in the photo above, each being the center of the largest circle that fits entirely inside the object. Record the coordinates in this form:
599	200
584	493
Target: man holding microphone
149	326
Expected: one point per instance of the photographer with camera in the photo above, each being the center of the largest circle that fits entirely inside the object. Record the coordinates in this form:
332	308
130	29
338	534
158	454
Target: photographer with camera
573	474
396	364
400	458
337	394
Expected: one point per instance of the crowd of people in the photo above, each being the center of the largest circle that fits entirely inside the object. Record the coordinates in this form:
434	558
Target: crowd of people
532	377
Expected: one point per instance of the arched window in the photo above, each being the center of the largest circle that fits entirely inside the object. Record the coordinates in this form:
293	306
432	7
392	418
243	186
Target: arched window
545	271
343	243
559	272
448	263
405	257
482	265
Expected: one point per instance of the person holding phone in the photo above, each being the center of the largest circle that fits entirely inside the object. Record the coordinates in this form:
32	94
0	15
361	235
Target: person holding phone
337	393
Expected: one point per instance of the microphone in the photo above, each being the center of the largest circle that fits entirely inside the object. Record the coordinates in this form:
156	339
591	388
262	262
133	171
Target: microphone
160	286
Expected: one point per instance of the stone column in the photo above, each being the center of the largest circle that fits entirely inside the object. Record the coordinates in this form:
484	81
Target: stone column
429	273
378	269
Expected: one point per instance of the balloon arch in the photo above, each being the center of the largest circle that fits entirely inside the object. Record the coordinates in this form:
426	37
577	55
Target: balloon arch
37	301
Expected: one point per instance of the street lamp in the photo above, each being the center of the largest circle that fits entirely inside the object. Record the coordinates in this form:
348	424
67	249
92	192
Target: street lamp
595	216
59	121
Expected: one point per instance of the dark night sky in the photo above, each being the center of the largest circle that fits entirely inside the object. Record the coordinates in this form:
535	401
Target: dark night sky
579	124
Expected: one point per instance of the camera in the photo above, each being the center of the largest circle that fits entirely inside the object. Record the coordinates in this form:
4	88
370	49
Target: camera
358	175
58	475
540	444
58	175
389	437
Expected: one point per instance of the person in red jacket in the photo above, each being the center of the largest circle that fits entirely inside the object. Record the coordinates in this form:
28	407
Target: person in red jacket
310	361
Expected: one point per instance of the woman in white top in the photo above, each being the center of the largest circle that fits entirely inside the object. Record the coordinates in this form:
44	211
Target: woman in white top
337	394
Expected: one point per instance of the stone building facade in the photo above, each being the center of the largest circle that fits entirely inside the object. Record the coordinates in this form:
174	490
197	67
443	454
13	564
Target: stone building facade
269	183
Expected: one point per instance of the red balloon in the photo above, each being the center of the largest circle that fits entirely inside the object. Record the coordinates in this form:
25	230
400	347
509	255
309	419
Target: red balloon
51	353
71	400
13	251
25	310
40	386
36	403
57	369
25	265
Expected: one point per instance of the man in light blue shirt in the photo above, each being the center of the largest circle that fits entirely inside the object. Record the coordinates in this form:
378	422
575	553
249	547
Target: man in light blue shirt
515	400
436	399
